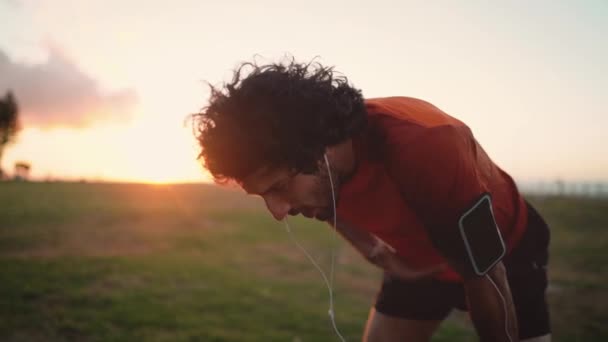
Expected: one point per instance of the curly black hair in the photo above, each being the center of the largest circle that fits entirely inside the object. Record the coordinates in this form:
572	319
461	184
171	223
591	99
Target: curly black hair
278	115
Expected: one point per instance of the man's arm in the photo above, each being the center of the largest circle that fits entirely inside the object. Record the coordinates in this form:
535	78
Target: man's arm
382	255
491	306
489	296
491	311
441	172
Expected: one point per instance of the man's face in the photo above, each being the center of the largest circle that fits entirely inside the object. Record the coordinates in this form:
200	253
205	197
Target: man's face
291	193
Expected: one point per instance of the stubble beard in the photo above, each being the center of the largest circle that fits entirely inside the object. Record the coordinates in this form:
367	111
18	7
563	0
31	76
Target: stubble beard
324	193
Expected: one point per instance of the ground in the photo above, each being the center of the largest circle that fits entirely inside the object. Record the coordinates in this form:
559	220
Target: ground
125	262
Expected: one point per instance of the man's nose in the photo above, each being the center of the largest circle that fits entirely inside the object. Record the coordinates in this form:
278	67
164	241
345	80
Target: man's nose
278	208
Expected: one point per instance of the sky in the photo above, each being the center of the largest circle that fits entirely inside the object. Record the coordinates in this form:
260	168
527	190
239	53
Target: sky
105	87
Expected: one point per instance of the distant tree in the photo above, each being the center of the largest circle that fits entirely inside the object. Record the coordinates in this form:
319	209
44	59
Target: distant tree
9	122
560	187
22	170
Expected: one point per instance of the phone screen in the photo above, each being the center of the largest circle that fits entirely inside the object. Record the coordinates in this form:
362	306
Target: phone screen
481	236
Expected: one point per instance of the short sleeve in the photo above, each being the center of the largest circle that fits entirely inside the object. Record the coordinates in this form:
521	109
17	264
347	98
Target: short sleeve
437	174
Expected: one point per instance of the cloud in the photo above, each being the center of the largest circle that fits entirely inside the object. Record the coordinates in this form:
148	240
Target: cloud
57	93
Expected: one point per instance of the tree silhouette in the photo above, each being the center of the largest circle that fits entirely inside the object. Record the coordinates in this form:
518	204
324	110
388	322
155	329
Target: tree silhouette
9	123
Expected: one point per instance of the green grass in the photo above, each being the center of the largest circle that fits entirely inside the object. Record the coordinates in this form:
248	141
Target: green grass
578	267
125	262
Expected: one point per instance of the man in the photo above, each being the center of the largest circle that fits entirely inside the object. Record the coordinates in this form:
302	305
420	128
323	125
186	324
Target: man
416	195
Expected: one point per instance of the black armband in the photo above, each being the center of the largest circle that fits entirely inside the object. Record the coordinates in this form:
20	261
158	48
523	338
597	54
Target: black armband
476	245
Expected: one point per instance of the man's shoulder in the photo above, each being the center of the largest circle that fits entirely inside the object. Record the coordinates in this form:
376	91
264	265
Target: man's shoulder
410	110
395	100
409	131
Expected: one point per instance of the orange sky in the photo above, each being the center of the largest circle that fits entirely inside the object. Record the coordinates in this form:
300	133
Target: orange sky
105	85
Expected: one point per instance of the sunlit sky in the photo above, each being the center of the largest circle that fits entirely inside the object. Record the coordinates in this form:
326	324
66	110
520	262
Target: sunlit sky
105	86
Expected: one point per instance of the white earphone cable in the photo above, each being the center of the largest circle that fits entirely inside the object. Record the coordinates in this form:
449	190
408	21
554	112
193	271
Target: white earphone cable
504	303
328	282
334	242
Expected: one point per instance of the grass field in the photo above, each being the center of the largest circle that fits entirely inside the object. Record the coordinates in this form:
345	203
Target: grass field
120	262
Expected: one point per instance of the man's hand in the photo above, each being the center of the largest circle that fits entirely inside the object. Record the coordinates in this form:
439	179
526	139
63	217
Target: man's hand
385	257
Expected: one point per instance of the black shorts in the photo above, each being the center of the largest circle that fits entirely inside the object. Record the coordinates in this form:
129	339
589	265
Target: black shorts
431	299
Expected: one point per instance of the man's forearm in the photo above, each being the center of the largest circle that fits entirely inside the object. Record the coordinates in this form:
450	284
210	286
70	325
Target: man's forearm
363	242
382	255
491	308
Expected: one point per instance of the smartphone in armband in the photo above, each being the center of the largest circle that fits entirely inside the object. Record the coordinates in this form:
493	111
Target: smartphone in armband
481	235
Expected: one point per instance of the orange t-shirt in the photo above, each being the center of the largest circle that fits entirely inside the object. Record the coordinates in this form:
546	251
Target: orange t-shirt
418	170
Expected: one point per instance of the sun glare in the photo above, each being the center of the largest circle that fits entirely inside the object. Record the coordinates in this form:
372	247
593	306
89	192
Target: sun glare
160	153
